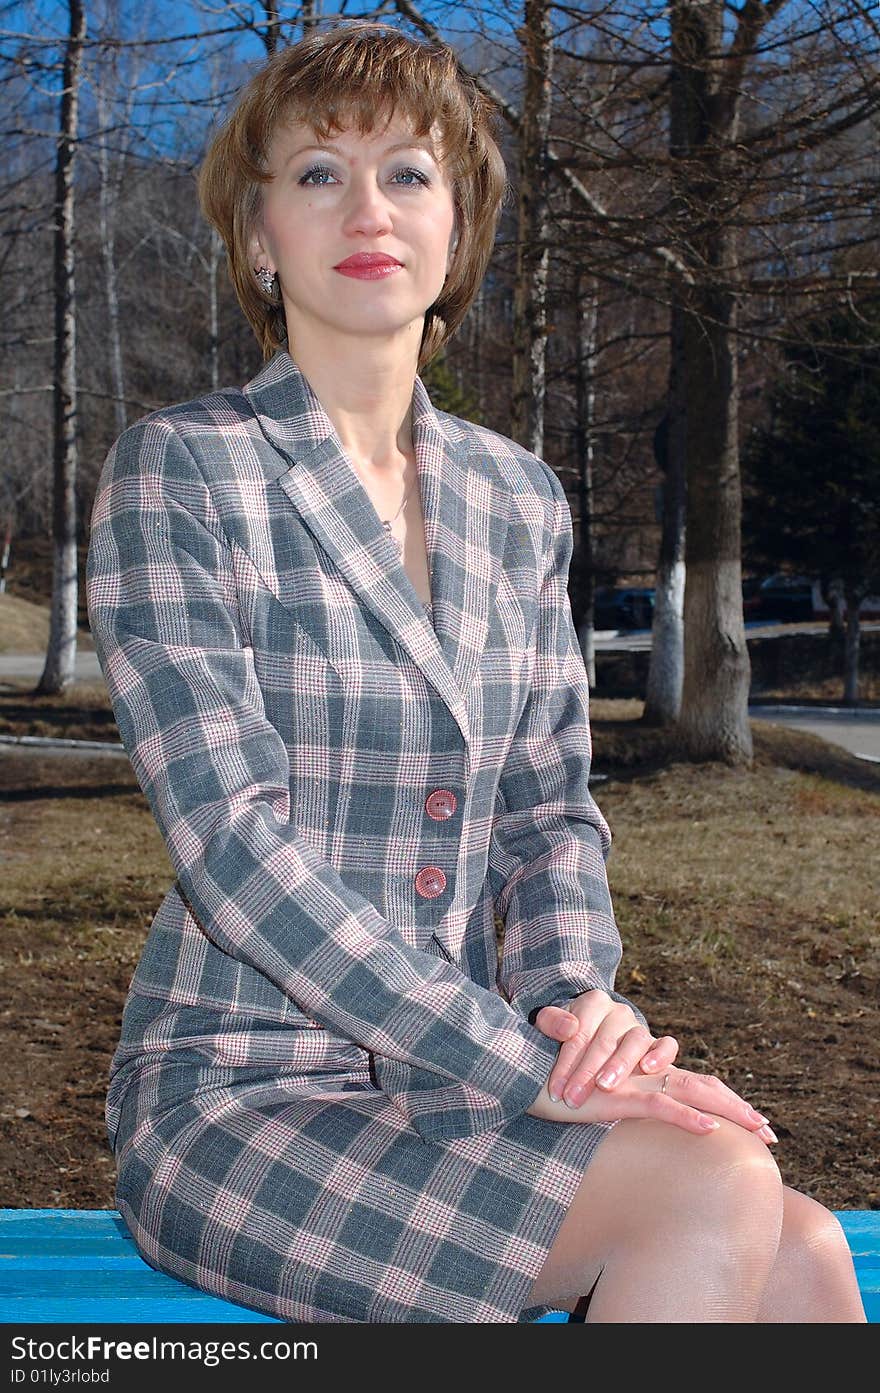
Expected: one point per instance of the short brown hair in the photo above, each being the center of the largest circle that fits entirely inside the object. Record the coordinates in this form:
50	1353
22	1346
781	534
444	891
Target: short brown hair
350	76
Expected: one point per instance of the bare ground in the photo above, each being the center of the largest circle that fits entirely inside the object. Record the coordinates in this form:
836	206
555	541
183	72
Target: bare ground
747	902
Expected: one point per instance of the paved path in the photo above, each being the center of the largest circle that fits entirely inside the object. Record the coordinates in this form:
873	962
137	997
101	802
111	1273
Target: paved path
856	731
635	640
31	665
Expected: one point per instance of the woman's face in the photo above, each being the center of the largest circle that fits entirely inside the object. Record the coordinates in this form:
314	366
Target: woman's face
384	192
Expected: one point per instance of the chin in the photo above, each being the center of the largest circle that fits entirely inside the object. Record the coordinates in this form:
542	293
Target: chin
373	325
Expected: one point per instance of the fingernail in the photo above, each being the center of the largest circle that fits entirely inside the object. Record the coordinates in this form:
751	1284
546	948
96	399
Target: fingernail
649	1063
756	1116
554	1096
608	1077
574	1096
768	1134
708	1124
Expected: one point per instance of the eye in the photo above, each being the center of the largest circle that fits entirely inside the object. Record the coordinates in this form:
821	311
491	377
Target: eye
417	174
315	169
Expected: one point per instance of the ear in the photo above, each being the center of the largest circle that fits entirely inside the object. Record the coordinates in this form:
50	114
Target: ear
453	244
257	253
455	233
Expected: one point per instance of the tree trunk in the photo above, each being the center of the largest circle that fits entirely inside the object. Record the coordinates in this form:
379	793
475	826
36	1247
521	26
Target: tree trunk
714	710
851	650
835	608
270	33
60	666
215	249
713	721
108	193
585	390
475	321
532	249
666	667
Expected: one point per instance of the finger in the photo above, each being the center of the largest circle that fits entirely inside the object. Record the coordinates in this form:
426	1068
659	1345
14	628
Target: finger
660	1055
589	1016
642	1098
712	1094
625	1058
663	1108
556	1022
606	1045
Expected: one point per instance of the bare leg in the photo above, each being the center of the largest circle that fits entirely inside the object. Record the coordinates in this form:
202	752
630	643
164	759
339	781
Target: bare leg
676	1227
813	1278
665	1229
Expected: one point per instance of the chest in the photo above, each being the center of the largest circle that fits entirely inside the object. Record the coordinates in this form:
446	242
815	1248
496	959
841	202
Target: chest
400	511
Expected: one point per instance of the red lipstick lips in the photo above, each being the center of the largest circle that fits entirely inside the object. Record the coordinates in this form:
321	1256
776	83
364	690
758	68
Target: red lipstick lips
371	266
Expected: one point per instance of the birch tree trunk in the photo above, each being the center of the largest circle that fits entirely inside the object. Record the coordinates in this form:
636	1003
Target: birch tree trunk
215	252
532	251
475	322
585	390
107	203
666	666
60	665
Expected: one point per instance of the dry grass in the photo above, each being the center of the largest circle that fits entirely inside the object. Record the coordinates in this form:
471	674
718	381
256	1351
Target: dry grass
24	627
81	713
746	899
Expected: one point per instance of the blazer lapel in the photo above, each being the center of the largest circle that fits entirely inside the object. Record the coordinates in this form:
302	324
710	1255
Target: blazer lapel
465	503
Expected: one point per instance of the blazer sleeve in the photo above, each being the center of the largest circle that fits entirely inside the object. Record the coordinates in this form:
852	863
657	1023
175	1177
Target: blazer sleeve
163	609
549	841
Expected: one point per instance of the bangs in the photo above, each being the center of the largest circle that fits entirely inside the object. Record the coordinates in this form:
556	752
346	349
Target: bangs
361	86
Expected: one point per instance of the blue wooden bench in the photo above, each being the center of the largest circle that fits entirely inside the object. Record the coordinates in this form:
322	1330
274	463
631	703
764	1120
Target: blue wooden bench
81	1265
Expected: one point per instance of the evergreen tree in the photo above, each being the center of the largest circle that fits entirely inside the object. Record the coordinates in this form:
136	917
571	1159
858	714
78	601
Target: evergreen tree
813	473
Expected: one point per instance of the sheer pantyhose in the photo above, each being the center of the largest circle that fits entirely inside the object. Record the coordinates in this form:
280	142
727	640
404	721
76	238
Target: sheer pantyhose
670	1226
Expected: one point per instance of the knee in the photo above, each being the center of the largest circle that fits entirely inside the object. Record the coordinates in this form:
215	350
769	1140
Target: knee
746	1183
815	1262
811	1235
725	1182
742	1157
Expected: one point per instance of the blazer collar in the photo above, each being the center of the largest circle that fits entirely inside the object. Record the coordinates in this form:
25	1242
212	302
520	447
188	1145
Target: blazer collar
465	503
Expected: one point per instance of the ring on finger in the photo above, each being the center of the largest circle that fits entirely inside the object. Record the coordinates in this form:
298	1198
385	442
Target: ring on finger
665	1083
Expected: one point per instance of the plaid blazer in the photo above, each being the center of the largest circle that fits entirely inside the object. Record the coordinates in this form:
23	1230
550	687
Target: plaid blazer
348	792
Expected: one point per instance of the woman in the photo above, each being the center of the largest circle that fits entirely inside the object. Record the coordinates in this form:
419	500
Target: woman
335	629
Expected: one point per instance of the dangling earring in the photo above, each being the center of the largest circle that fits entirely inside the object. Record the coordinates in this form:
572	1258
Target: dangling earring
266	279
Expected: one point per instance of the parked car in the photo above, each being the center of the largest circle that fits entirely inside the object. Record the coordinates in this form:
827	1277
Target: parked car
752	598
631	607
786	598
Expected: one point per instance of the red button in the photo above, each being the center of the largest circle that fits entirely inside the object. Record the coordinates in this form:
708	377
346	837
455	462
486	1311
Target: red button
430	882
440	804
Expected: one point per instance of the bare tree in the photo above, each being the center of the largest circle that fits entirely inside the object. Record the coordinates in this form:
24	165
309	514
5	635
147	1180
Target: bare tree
59	668
587	310
706	96
532	249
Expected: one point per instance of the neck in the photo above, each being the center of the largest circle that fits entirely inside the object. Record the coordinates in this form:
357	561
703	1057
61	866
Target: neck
365	384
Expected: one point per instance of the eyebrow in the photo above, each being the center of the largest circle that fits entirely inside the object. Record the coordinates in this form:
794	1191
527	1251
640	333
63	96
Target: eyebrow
334	149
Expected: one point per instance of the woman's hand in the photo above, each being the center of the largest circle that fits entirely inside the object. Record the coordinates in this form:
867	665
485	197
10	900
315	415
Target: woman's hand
602	1042
688	1101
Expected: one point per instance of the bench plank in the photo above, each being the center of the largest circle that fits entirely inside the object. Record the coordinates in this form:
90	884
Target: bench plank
81	1265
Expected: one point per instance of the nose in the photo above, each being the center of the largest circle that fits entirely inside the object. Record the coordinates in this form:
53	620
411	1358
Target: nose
367	209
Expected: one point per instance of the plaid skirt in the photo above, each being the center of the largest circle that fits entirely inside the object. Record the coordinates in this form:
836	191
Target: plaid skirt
314	1200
